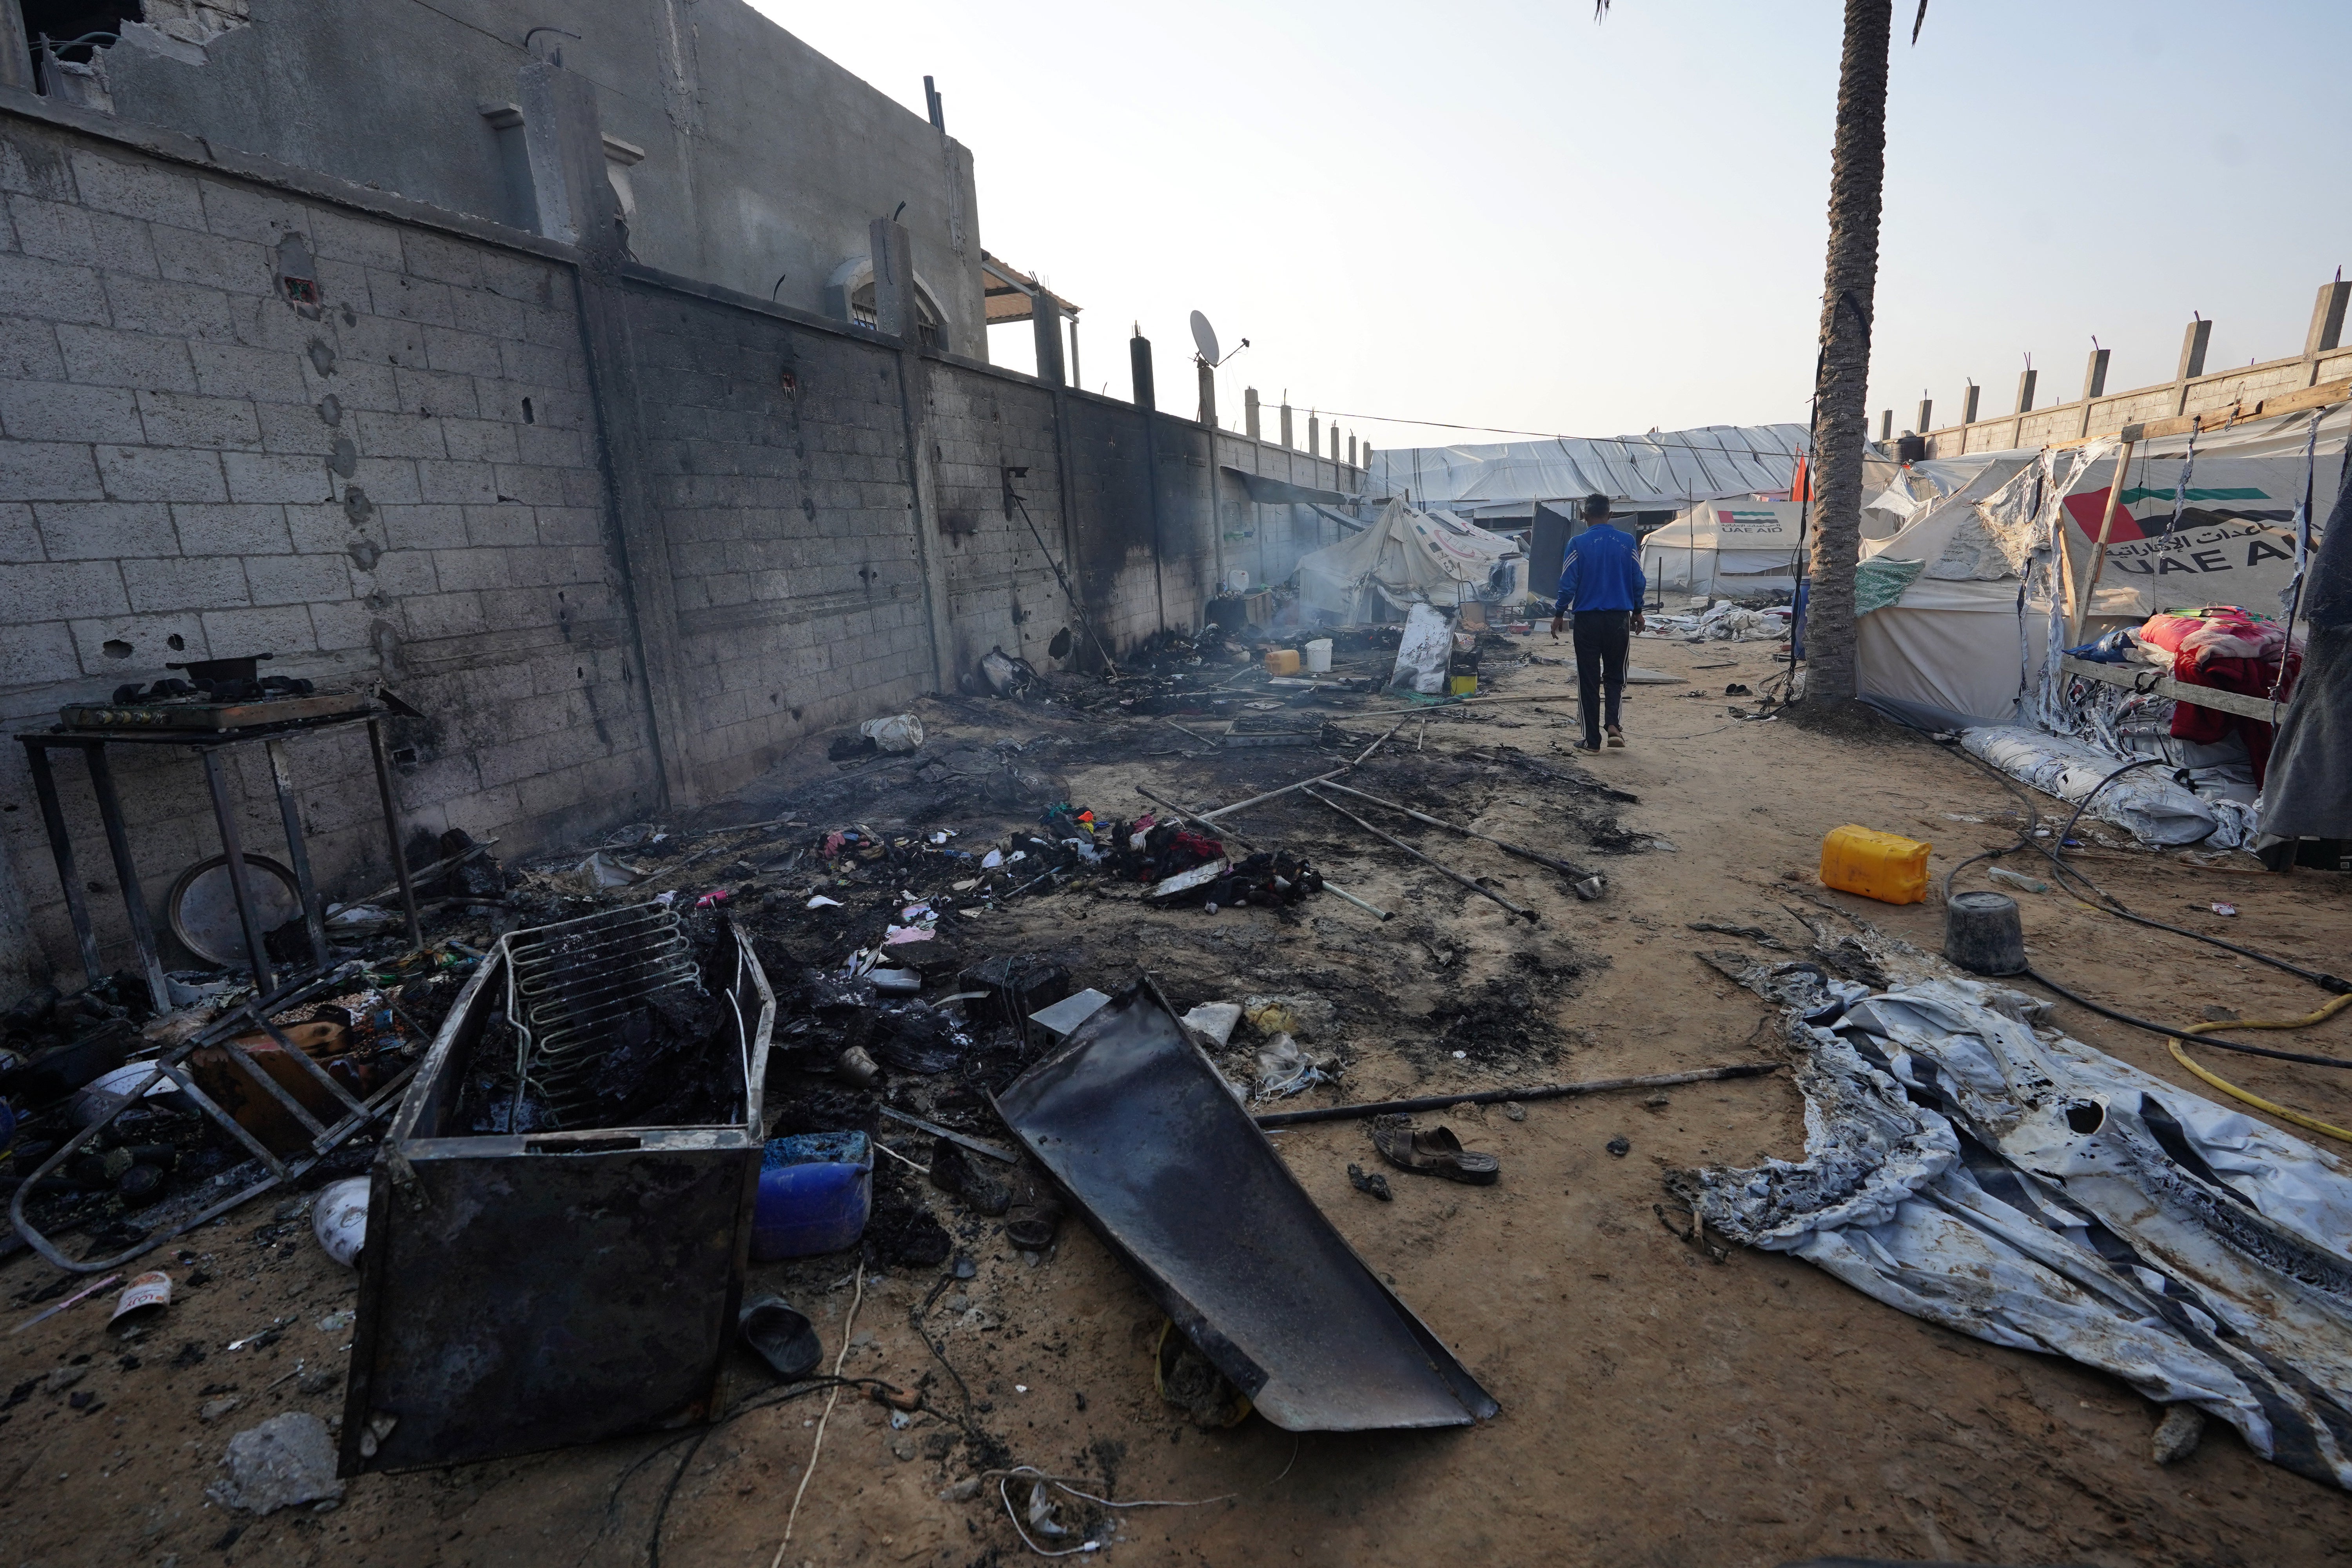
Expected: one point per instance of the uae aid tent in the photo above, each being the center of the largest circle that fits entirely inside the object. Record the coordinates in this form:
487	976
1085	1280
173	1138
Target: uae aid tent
1972	632
1728	549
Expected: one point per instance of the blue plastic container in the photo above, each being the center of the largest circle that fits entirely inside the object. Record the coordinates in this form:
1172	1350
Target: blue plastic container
816	1190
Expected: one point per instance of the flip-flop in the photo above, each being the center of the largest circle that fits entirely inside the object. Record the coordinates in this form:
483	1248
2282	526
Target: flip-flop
773	1331
1033	1227
1435	1152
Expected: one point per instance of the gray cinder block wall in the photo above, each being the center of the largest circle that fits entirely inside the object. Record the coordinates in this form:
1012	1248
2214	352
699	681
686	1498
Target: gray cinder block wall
622	536
757	161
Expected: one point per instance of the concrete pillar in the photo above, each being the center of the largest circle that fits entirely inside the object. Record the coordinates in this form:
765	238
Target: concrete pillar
1926	416
15	70
1249	412
2025	391
1886	425
2327	318
1352	451
1314	434
2192	349
1969	403
2095	376
1334	443
896	314
1208	392
1139	360
1045	323
1285	426
575	202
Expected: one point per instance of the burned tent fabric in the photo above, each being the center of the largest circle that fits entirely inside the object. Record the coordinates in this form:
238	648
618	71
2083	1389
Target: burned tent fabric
1408	557
2004	1181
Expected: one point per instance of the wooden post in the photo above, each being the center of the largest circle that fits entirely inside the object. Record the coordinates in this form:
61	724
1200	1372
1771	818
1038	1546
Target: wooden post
2106	522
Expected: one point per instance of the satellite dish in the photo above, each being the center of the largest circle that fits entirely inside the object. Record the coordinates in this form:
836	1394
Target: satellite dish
1204	338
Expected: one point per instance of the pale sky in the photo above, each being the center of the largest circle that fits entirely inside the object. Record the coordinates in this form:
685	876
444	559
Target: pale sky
1497	213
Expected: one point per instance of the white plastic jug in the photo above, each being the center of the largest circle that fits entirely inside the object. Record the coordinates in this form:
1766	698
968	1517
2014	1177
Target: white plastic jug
1318	657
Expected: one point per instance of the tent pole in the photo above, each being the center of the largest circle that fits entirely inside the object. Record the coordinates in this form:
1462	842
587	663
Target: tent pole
2099	554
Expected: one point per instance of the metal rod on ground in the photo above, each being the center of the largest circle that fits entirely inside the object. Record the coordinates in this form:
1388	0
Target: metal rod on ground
977	1145
1376	745
1328	886
1262	799
1496	1096
423	873
1530	915
1464	701
1565	867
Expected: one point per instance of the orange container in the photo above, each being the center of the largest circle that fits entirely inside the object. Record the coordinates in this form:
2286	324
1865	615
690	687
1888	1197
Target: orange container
1282	661
1883	866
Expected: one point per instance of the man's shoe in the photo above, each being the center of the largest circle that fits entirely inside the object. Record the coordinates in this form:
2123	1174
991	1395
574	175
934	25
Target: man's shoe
1616	736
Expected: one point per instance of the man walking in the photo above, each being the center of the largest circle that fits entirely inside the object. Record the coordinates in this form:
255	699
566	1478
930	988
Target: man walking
1600	583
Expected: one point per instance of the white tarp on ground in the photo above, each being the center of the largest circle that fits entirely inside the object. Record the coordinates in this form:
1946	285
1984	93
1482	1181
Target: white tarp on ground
2146	803
1408	557
1728	548
2014	1185
1641	473
1956	639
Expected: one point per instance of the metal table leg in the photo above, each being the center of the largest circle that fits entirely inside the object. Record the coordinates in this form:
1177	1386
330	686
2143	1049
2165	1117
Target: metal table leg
392	833
126	872
53	816
232	849
298	851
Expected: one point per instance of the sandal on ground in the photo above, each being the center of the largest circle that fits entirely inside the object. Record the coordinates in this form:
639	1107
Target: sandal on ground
1434	1152
1032	1226
1616	736
1035	1217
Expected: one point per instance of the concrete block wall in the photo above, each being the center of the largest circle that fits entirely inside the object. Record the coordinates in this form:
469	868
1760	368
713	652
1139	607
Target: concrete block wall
784	500
396	485
1001	584
2070	421
411	481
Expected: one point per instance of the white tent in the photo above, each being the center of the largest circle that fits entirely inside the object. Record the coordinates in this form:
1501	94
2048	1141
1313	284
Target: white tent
1728	548
1640	473
1971	635
1408	557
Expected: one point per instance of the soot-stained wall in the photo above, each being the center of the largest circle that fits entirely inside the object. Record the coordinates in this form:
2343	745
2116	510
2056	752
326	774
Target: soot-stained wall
616	586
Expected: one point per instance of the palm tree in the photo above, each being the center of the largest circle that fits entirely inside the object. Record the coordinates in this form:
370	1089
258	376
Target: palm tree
1841	375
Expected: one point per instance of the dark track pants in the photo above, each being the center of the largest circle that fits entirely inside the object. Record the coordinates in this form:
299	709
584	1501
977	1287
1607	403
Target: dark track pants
1602	638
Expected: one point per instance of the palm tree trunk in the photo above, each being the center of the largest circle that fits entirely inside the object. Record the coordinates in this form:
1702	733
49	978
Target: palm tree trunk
1842	414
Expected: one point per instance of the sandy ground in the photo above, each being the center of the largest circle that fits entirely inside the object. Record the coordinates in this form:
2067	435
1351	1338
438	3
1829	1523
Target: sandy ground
1657	1408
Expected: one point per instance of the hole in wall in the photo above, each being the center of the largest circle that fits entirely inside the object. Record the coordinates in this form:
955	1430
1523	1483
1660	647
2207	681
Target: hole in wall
176	643
528	416
404	753
789	381
580	671
115	648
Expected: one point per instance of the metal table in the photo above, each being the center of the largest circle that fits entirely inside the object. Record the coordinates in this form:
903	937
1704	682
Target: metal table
209	744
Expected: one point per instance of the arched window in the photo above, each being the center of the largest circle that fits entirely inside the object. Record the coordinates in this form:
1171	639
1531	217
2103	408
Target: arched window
851	295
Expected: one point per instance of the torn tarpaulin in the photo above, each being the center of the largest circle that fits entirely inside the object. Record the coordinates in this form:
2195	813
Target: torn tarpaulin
2017	1185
